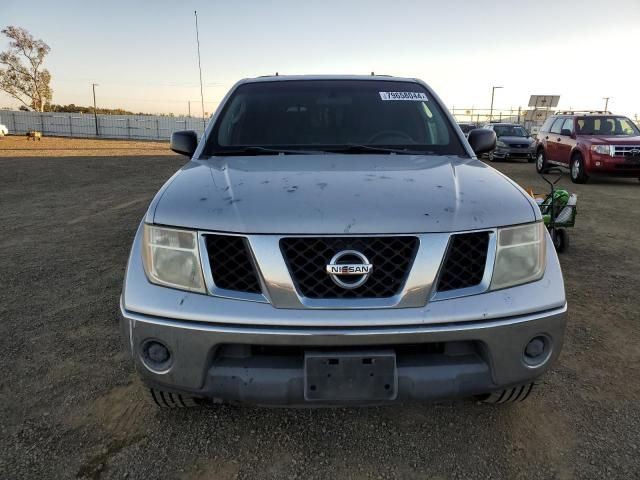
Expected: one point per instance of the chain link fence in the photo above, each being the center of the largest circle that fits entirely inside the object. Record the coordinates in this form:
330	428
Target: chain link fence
480	116
149	127
530	119
131	127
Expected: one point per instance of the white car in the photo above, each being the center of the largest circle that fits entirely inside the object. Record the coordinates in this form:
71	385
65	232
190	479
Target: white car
3	130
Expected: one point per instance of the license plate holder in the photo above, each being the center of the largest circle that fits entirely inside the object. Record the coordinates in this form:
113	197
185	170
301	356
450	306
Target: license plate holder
350	376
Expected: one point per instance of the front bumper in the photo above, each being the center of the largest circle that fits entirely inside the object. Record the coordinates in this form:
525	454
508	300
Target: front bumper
251	352
509	152
247	351
614	166
225	363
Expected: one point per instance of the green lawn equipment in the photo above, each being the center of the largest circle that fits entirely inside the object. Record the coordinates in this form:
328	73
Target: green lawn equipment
558	209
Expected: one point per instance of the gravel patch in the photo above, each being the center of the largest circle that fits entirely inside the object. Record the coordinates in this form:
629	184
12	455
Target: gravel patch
72	406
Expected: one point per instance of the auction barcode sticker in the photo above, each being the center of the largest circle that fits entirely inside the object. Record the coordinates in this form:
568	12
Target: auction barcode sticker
411	96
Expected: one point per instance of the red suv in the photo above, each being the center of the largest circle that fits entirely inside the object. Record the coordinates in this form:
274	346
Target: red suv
589	143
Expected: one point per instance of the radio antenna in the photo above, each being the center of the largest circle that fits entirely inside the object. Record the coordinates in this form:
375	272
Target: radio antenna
204	122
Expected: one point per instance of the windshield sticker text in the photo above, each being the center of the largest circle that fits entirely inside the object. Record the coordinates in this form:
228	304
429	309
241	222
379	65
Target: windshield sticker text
411	96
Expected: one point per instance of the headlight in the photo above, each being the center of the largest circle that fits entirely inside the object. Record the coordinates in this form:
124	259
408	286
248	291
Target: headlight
171	258
501	144
520	255
601	149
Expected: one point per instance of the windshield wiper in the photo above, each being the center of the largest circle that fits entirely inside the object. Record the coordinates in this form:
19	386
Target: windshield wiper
256	150
348	148
355	148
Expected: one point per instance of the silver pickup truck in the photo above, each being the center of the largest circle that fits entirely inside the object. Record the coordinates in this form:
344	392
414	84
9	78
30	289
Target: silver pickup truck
335	241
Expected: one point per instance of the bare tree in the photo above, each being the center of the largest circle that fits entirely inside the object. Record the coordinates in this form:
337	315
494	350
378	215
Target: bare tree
24	78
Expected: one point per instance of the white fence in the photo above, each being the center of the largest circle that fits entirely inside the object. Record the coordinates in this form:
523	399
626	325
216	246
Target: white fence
136	127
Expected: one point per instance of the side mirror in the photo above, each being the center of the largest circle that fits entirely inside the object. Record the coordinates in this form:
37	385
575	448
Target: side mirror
184	142
482	140
565	132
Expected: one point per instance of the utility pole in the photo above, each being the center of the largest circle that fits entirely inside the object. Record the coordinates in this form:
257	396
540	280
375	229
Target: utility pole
95	114
606	103
189	105
493	91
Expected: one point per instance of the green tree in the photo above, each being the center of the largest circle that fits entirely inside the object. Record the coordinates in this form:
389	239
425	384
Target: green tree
24	78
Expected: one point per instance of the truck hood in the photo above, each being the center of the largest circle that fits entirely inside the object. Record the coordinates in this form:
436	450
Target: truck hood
520	140
612	140
340	194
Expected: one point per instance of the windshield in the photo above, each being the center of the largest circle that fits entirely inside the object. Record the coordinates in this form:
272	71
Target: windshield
619	126
510	131
326	115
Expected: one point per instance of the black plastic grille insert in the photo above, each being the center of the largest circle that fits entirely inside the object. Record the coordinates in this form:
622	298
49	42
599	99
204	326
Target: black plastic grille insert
465	261
231	264
307	258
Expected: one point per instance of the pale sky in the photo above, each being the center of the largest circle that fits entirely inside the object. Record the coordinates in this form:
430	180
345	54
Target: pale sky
143	54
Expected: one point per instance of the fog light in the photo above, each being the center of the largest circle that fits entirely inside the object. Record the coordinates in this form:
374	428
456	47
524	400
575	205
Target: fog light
537	351
535	348
156	355
598	164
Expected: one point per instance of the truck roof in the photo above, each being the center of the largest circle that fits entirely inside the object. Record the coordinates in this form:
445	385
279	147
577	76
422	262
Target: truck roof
582	113
280	78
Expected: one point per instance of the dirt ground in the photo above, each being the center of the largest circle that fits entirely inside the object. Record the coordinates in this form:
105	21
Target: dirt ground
19	146
72	407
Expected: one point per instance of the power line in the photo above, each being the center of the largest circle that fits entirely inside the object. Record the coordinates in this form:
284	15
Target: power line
204	123
153	100
145	84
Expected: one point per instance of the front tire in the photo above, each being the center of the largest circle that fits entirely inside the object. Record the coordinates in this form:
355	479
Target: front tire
578	172
491	157
169	400
509	395
560	239
541	162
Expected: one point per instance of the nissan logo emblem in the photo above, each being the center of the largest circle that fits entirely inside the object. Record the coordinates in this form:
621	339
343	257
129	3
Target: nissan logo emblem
349	269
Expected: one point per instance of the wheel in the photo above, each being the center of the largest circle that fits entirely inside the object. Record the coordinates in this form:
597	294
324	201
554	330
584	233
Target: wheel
560	239
541	162
578	173
163	399
491	157
510	395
